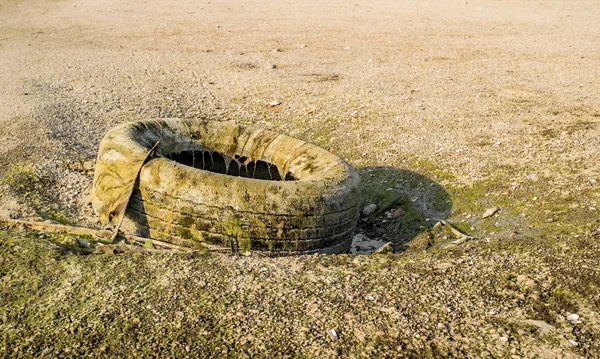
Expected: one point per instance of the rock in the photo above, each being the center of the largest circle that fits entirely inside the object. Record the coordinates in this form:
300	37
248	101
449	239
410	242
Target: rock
148	244
88	165
386	248
82	243
274	103
370	297
572	342
273	66
397	213
572	317
332	333
369	209
490	212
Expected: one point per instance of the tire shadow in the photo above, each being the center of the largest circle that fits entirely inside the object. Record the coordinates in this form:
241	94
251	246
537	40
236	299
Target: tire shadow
419	204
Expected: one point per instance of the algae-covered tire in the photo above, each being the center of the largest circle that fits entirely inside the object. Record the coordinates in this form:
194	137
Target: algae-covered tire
264	192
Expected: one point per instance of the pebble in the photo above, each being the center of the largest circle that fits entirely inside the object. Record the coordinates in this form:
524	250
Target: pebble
81	242
332	333
572	342
274	103
386	248
370	297
397	213
490	212
572	317
369	209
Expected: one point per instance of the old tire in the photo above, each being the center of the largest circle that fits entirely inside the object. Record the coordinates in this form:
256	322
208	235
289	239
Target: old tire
316	212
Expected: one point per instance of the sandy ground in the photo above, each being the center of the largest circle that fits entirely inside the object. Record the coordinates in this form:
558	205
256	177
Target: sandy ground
474	104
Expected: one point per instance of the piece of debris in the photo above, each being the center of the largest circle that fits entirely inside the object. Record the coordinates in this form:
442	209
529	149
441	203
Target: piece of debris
386	248
82	243
572	317
148	244
490	212
369	209
572	342
397	213
332	333
274	103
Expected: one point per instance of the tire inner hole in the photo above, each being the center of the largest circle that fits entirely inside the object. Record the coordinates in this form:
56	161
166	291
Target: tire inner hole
238	166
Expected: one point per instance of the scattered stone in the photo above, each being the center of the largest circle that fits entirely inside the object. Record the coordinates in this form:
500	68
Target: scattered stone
370	297
572	317
274	103
332	333
503	339
263	269
88	165
397	213
369	209
572	342
273	66
386	248
490	212
82	243
148	244
303	46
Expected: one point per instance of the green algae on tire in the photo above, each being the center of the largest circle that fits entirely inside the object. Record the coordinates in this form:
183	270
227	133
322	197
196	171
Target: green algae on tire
225	184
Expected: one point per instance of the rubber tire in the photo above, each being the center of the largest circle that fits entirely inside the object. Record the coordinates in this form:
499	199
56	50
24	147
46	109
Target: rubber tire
180	204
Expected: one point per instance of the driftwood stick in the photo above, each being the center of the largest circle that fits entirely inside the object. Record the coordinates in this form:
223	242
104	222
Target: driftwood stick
101	233
454	230
386	206
122	215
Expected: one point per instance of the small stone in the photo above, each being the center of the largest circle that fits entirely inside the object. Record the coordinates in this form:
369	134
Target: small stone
88	165
370	297
490	212
386	248
332	333
503	339
51	221
369	209
81	243
273	66
572	342
303	46
397	213
274	103
572	317
264	269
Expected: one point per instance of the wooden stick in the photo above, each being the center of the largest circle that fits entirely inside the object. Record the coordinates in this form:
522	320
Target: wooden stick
102	233
453	229
386	206
122	215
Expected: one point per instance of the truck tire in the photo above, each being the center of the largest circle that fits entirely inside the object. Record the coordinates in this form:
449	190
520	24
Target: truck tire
224	184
